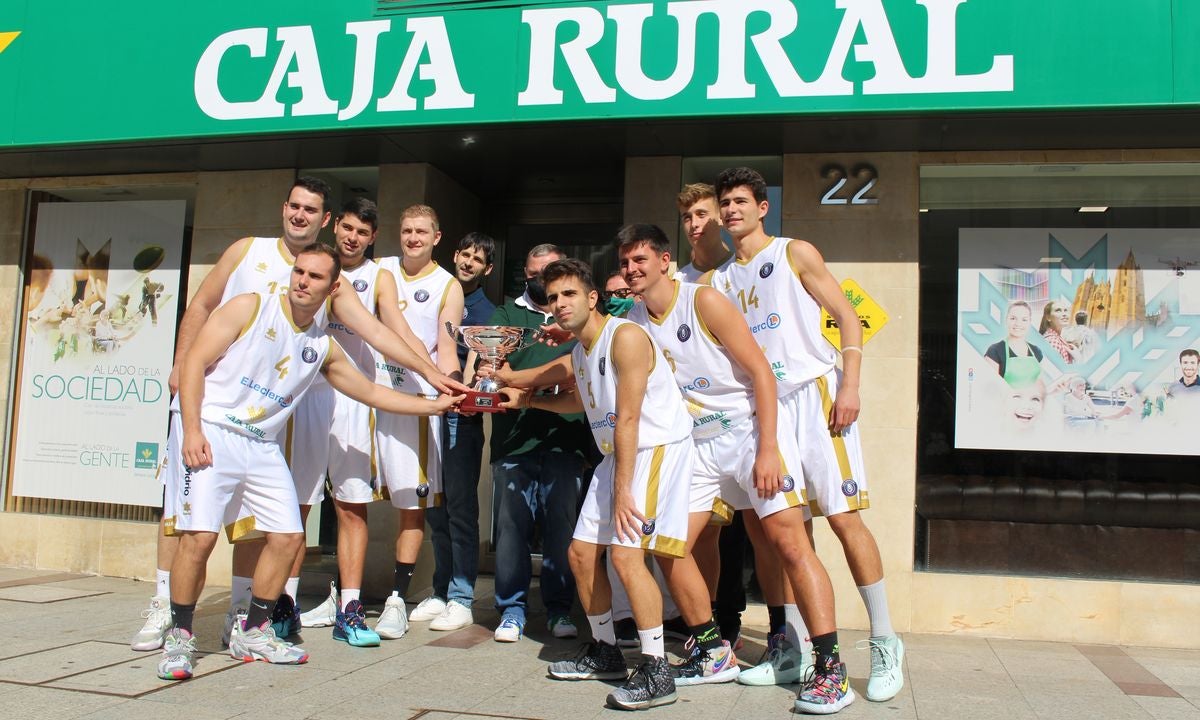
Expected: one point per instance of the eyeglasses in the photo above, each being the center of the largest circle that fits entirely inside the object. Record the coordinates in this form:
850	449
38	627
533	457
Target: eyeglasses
621	292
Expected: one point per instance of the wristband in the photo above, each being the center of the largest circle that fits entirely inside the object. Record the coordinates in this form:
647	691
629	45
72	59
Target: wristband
851	347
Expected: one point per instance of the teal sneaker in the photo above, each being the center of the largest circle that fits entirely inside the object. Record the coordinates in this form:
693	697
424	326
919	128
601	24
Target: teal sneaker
351	627
887	667
285	620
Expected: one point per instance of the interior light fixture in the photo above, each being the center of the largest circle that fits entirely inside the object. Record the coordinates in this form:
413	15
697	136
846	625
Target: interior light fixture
1093	209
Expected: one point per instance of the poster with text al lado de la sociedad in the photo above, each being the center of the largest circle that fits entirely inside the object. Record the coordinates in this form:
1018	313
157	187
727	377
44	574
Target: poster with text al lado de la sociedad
1079	340
98	342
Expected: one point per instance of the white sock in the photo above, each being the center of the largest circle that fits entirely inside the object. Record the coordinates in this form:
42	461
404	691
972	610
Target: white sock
239	593
795	629
162	585
292	587
875	598
349	594
602	628
652	641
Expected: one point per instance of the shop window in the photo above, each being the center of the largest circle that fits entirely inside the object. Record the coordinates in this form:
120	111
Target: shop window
1059	405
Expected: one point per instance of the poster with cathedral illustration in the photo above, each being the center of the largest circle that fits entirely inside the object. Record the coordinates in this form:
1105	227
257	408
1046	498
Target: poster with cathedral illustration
1078	340
98	340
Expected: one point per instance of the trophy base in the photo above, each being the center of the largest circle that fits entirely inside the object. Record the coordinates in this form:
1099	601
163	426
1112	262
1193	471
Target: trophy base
478	402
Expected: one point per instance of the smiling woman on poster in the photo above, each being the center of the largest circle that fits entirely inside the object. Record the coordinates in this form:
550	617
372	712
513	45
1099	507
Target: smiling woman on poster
1014	359
1056	317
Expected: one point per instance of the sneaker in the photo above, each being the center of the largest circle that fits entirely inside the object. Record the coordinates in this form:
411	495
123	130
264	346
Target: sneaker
509	630
561	626
887	667
784	665
627	636
351	627
428	609
179	652
824	693
261	643
324	614
649	686
676	629
706	666
454	617
285	618
392	622
233	618
594	661
158	622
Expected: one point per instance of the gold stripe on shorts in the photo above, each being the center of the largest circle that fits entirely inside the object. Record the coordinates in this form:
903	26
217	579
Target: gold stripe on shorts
793	498
722	513
650	507
423	460
169	526
243	529
857	501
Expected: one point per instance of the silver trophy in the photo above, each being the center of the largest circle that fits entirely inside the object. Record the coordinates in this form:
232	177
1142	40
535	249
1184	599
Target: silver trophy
493	343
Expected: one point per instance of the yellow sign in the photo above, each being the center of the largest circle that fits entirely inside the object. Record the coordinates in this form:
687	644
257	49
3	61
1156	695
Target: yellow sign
6	38
870	314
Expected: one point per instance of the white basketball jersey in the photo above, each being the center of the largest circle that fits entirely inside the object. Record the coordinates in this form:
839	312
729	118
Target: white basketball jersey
785	319
664	417
689	273
421	298
717	390
362	281
253	388
265	268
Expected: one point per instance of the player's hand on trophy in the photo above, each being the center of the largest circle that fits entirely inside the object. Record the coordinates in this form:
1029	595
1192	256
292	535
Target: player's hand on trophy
445	384
197	453
845	409
768	474
446	402
553	335
627	521
514	398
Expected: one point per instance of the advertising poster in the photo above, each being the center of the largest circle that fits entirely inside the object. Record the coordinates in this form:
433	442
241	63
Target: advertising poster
1079	340
99	338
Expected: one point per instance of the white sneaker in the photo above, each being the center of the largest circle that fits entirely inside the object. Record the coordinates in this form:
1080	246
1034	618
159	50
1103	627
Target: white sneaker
784	665
392	623
232	616
158	622
561	626
887	667
324	614
428	609
455	616
509	631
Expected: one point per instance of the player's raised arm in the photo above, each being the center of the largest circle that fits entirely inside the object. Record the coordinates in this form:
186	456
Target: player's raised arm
343	375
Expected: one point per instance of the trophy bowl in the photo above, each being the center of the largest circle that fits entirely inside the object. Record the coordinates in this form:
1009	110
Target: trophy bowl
492	343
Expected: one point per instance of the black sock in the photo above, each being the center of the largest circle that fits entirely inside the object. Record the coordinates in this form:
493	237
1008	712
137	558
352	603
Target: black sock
776	619
260	611
826	649
182	615
404	573
708	635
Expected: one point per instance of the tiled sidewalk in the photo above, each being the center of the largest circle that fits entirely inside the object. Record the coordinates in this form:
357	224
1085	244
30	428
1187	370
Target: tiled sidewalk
64	654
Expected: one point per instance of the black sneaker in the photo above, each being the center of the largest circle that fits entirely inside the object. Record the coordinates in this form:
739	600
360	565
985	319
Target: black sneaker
626	630
595	661
649	686
285	620
718	665
676	629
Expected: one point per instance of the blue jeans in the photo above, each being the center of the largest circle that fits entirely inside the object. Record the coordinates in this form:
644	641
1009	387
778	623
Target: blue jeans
541	487
454	525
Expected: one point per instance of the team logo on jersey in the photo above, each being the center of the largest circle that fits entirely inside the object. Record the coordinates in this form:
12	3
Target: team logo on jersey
850	488
788	484
421	295
603	364
773	320
270	334
187	508
261	267
648	527
611	419
422	491
701	383
765	271
308	355
683	333
360	285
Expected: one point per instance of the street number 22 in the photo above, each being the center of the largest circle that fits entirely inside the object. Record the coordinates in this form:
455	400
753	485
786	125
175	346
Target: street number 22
866	174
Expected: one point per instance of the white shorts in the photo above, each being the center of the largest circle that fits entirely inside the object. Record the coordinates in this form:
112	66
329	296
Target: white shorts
409	448
724	479
661	487
834	476
247	490
331	436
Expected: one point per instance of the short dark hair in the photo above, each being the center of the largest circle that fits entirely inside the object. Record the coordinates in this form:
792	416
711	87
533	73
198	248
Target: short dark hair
363	209
731	178
638	233
320	248
569	268
314	185
1190	352
482	241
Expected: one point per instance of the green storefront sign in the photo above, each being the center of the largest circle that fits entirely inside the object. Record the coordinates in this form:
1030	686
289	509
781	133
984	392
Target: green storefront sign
92	72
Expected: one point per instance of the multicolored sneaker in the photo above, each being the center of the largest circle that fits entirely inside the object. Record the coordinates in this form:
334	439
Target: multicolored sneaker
649	686
351	627
324	614
285	619
706	666
261	643
824	693
233	619
179	653
594	661
887	667
562	627
158	622
784	664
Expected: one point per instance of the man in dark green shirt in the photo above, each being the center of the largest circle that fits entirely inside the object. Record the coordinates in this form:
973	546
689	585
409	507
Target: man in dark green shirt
538	468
